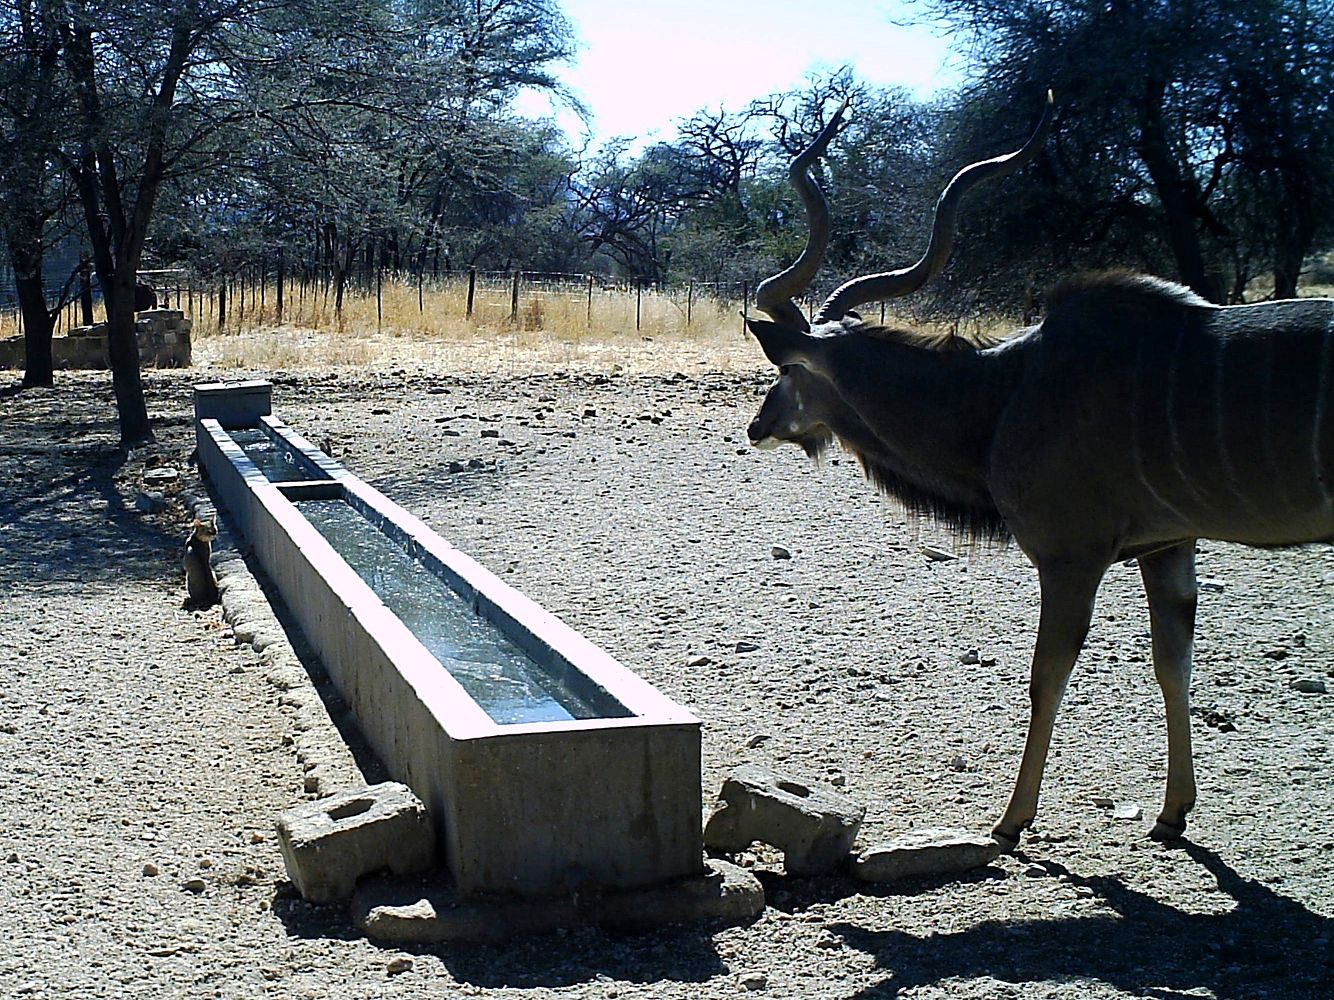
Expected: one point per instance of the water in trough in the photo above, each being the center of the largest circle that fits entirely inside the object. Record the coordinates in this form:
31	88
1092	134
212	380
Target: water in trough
274	459
505	682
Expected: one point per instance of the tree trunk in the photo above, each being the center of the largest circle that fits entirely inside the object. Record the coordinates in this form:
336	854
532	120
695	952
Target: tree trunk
37	326
37	320
1173	195
1294	235
123	356
278	301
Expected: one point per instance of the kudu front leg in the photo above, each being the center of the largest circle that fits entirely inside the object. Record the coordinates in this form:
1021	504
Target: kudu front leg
1169	580
1068	590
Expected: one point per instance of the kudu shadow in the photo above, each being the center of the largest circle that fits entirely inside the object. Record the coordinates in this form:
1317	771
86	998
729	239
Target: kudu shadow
679	953
1266	946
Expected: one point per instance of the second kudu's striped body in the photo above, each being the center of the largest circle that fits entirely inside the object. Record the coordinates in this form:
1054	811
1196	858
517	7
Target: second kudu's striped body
1133	420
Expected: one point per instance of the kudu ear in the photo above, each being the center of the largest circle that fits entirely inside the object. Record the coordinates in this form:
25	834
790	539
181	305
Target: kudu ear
781	344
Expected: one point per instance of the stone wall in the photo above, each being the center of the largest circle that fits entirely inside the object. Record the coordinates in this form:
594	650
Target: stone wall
163	335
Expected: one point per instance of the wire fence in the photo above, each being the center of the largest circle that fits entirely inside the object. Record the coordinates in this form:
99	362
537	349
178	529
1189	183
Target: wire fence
563	303
521	298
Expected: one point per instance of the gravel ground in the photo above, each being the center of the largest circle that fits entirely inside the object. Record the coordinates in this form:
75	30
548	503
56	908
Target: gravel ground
149	753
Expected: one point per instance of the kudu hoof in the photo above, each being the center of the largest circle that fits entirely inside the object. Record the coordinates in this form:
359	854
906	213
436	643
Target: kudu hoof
1009	843
1163	831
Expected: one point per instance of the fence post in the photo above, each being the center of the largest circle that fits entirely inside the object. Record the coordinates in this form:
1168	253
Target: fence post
379	295
282	269
639	295
222	303
514	299
472	289
421	290
590	300
690	302
745	304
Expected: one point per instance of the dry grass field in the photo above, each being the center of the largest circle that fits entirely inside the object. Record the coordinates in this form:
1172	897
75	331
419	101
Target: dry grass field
552	329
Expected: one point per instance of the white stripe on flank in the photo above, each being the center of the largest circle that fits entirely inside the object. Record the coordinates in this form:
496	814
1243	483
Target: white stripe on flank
1321	393
1136	411
1173	431
1280	480
1224	459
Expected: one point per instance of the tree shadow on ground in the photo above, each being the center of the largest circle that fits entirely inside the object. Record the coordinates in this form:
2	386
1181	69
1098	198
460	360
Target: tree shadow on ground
65	519
1267	945
67	488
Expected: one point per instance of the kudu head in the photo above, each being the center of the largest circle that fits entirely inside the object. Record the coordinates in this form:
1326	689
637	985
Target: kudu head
798	407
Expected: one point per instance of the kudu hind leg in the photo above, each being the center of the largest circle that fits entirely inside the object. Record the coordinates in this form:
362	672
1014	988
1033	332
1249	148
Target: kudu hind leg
1169	581
1068	591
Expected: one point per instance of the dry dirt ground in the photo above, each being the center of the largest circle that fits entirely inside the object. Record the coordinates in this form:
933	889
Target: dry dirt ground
146	755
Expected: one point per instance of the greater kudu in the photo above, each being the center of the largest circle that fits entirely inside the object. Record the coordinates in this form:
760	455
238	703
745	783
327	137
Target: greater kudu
1133	420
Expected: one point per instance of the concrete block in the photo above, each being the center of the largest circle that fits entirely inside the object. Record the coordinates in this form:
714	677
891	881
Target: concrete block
234	404
925	853
813	827
328	844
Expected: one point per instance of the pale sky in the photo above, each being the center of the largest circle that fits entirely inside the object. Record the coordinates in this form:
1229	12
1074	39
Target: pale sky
643	63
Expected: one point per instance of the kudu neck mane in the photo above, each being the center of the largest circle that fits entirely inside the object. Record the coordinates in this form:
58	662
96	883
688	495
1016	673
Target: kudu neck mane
1120	286
893	473
1124	287
975	522
926	340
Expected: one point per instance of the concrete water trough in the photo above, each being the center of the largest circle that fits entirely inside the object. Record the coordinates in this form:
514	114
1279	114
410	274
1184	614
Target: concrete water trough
545	764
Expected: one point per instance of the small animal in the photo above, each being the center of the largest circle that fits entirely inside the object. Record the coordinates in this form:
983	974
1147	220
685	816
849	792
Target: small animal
201	585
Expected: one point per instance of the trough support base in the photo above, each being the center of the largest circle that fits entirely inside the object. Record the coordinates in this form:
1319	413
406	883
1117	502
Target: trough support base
392	910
